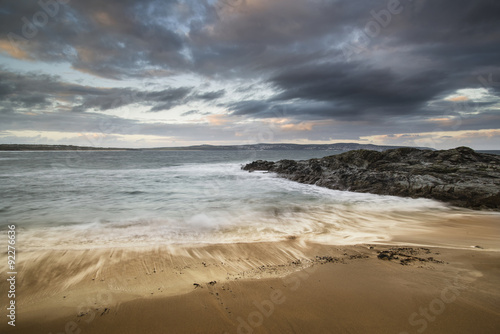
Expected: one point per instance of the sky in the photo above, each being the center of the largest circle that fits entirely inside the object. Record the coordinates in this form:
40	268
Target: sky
148	73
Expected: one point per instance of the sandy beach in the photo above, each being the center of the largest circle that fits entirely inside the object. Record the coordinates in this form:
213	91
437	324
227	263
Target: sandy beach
445	280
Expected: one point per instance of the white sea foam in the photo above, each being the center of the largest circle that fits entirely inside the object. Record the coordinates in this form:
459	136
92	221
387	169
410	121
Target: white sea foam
143	199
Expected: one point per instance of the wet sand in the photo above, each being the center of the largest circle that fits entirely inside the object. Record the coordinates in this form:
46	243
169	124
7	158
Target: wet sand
433	282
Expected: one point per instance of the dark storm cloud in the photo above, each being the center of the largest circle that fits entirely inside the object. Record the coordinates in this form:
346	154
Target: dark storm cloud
118	39
112	39
115	98
35	91
211	95
436	48
294	50
298	111
17	91
355	90
251	107
447	22
361	88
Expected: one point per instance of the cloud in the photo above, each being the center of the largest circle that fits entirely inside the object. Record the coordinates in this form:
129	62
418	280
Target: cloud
218	120
112	40
254	63
211	95
194	112
226	38
35	90
250	107
458	98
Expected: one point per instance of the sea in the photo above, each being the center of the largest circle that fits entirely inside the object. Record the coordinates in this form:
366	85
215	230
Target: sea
89	199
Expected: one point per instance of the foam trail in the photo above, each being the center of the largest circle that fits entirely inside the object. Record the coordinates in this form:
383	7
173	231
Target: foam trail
166	198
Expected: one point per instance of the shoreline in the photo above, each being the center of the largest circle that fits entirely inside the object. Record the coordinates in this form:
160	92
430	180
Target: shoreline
359	291
223	288
463	229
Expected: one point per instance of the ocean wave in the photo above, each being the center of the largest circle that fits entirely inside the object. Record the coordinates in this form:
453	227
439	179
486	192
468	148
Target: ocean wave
170	201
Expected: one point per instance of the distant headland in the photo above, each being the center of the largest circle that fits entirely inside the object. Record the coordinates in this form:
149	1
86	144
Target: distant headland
257	147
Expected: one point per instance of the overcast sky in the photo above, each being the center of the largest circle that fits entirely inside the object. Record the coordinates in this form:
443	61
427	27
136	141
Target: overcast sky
140	73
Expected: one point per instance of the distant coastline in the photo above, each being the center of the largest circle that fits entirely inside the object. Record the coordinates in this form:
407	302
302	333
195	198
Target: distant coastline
33	147
258	147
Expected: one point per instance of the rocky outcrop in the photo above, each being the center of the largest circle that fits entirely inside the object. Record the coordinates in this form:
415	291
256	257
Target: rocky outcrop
458	176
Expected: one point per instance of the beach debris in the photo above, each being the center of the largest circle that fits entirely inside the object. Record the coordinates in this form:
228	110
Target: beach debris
196	285
212	282
386	255
325	259
106	310
478	247
406	255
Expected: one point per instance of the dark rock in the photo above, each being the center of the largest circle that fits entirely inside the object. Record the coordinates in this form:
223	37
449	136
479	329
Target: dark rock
326	259
386	255
259	165
458	176
406	255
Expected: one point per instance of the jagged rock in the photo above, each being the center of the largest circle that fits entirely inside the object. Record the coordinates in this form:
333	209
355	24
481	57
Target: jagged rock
458	176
